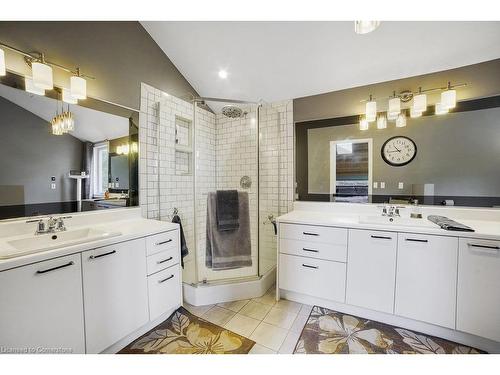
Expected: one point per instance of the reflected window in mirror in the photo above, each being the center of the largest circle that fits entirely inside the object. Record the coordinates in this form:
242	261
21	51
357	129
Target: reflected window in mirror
100	168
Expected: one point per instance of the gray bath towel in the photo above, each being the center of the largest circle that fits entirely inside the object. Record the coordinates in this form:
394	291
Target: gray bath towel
228	249
228	216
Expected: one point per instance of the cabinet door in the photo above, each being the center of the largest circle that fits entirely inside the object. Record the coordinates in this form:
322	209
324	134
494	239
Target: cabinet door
42	306
115	293
426	278
478	309
165	290
371	269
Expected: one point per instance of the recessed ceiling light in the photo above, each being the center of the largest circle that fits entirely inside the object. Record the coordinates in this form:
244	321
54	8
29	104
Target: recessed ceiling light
222	74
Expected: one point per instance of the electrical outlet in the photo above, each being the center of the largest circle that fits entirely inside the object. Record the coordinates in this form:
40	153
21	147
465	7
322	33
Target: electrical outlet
382	185
400	185
375	185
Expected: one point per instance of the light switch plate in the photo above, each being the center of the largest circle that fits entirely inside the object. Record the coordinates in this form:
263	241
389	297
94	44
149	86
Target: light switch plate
400	185
375	185
382	185
53	186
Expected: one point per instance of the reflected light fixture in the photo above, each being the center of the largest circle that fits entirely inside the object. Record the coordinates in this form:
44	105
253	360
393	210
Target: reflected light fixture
344	148
381	122
392	116
371	110
394	105
67	97
440	109
365	27
222	74
414	113
2	63
449	98
78	86
31	88
401	120
42	74
420	102
363	124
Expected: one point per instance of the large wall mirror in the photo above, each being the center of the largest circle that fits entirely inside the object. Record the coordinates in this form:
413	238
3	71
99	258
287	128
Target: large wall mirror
93	166
435	159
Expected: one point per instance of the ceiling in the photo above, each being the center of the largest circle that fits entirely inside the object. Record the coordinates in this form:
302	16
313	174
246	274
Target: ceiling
90	125
274	61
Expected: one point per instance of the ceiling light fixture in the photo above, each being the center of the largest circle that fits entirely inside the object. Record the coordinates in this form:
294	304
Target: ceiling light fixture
31	88
365	27
371	110
2	63
223	74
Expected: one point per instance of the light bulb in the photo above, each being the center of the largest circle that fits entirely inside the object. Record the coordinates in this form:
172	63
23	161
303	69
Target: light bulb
2	63
394	106
381	122
42	75
420	103
365	27
449	99
401	121
31	88
363	124
78	87
371	110
440	109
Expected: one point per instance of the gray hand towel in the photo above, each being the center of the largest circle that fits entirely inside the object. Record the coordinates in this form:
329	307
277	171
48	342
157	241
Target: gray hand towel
449	224
227	210
228	249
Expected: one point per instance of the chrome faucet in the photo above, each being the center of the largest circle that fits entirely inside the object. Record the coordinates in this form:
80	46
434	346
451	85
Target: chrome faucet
53	224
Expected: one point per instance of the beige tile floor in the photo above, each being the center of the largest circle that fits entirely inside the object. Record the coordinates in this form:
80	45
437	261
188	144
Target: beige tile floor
274	326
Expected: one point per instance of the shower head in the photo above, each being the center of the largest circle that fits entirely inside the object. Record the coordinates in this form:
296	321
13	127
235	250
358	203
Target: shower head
233	111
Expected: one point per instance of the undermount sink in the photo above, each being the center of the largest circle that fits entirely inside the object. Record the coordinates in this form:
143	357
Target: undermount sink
50	241
402	221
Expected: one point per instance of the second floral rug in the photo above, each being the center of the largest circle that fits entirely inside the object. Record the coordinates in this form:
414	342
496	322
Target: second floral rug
332	332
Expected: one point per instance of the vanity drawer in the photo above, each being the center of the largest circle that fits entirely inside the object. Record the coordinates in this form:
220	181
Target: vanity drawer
164	290
313	233
314	277
335	252
162	260
162	241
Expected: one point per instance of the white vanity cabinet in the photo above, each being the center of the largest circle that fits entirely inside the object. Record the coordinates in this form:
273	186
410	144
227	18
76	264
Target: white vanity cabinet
42	306
115	292
478	301
426	278
371	269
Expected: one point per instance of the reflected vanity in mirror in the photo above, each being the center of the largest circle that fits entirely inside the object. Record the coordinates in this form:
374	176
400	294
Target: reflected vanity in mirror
450	159
92	165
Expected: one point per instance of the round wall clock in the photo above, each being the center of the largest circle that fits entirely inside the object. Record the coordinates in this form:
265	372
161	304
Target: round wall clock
398	151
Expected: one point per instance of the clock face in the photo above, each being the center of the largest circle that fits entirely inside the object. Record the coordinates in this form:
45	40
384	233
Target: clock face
399	151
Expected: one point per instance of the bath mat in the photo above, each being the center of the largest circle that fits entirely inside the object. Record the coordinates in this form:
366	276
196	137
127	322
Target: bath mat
185	333
332	332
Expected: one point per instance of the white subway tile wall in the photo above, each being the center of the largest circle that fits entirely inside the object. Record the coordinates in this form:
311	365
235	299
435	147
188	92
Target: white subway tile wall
225	151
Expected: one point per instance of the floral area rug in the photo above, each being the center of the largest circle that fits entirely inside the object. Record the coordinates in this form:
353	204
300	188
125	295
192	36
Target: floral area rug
331	332
185	333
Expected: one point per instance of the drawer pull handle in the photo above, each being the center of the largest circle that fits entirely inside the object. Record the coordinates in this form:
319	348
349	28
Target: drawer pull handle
308	266
164	260
489	247
310	250
310	234
56	268
415	240
381	237
102	255
168	278
163	242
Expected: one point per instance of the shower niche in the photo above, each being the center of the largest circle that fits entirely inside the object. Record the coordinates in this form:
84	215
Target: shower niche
183	146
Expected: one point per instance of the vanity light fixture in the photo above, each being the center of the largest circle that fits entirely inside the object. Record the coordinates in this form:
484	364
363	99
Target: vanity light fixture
365	27
31	88
440	109
449	97
392	116
401	121
394	105
2	63
363	124
42	74
381	122
371	110
67	97
414	113
78	86
420	101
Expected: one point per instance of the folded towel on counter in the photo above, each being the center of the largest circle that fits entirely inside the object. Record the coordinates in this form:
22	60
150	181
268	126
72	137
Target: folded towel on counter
228	249
449	224
227	210
184	249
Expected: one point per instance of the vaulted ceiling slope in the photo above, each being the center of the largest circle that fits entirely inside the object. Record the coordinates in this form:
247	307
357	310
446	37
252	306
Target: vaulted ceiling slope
283	60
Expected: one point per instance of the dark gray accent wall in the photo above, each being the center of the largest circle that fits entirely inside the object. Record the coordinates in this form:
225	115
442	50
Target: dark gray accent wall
120	55
30	155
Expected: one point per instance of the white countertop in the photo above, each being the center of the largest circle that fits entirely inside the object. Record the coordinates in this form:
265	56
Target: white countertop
484	229
130	228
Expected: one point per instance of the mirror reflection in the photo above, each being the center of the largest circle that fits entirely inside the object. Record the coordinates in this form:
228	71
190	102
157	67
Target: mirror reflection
49	165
